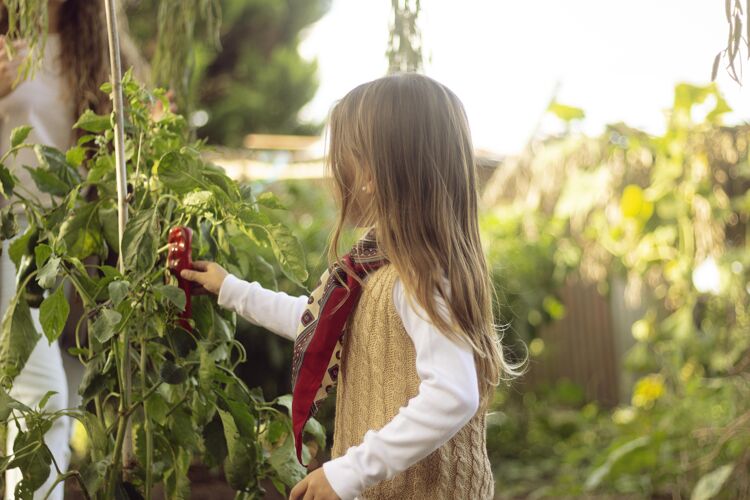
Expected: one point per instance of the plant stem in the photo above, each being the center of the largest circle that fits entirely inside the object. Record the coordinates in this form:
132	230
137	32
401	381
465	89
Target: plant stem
146	424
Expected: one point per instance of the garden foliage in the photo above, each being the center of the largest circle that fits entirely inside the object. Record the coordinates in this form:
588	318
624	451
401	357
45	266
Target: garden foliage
668	214
155	395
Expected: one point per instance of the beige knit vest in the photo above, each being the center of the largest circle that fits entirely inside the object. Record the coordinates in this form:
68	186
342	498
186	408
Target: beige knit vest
377	377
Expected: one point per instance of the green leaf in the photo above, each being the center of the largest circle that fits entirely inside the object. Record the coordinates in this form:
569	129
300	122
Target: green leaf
18	337
118	290
172	374
109	222
104	327
601	472
45	399
138	244
53	313
180	172
42	252
8	223
270	200
82	233
284	461
23	245
47	276
91	122
103	165
286	402
7	181
710	484
173	294
52	160
47	182
5	402
34	465
566	113
157	408
197	200
93	379
75	155
317	431
19	134
214	440
239	464
288	252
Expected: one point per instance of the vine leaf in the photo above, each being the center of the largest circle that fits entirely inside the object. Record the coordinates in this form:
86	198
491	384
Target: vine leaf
8	223
239	459
18	135
284	461
118	290
710	484
138	243
105	325
34	465
53	161
18	337
179	172
91	122
6	181
173	294
288	252
53	313
47	275
715	69
82	233
601	472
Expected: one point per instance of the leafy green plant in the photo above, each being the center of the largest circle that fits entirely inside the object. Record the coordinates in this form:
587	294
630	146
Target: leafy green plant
668	215
167	392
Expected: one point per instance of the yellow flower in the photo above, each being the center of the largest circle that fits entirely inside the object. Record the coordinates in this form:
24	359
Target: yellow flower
647	390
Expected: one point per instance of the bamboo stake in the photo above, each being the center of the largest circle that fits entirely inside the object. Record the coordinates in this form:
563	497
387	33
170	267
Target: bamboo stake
124	430
119	110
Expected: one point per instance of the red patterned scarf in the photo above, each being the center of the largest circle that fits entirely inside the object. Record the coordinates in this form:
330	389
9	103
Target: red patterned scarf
317	348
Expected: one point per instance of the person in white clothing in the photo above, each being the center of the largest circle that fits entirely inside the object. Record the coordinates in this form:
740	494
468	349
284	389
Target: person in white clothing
403	323
67	82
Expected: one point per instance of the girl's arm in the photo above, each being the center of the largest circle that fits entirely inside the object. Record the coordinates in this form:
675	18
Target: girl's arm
448	398
275	311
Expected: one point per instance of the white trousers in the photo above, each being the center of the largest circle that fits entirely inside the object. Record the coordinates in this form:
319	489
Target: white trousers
43	372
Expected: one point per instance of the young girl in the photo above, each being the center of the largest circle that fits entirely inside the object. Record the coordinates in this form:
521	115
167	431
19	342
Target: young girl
407	313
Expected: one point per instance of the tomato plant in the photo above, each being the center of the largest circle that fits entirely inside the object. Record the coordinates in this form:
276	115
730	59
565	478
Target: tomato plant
158	390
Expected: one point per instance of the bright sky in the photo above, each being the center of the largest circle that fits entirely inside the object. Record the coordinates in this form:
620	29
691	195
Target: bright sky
618	61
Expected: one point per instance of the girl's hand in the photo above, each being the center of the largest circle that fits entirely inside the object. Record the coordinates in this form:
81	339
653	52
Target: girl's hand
209	275
314	487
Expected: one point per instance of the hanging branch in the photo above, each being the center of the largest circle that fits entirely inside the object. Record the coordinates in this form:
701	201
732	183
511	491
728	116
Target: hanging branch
174	57
735	16
28	20
405	42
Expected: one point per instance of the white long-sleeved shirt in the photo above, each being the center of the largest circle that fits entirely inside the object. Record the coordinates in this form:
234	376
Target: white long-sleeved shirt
447	399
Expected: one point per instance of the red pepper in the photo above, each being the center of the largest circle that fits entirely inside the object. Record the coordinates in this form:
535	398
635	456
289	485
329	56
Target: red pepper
179	257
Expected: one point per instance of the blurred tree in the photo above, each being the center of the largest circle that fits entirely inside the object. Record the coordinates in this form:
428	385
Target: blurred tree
405	42
256	81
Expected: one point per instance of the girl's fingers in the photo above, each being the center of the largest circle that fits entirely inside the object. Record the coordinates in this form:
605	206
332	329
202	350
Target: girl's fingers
201	265
299	490
193	276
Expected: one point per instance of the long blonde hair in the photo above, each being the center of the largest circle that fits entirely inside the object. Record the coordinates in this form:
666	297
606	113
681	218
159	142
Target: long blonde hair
401	158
